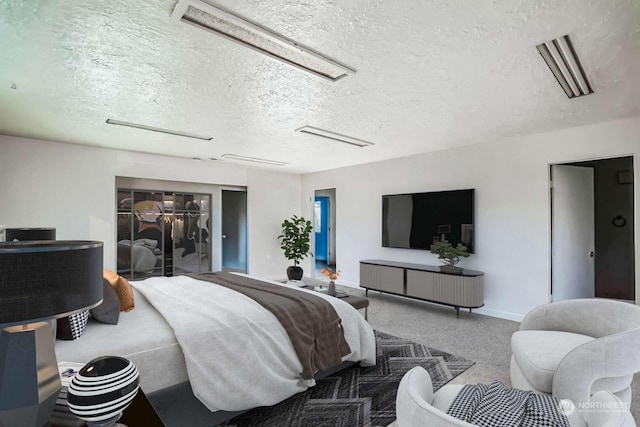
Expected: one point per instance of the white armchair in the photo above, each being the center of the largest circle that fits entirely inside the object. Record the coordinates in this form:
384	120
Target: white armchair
416	403
418	406
575	348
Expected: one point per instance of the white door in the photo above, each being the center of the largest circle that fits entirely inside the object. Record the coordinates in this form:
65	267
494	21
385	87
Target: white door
572	233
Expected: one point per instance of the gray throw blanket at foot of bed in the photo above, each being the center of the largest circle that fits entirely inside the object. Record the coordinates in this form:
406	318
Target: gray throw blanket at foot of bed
314	327
495	405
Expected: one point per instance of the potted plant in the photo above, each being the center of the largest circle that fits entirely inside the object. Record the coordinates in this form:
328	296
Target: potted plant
294	241
450	256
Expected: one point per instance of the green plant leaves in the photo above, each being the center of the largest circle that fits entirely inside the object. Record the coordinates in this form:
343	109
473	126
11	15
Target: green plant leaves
449	254
294	240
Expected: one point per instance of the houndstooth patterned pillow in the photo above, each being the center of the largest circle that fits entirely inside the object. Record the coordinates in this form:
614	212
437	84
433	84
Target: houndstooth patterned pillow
70	328
495	405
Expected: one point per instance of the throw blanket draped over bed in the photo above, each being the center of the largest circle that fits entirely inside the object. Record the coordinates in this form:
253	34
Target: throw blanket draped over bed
311	322
494	405
237	354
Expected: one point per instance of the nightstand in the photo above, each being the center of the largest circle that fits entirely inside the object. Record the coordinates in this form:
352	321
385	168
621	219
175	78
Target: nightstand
139	414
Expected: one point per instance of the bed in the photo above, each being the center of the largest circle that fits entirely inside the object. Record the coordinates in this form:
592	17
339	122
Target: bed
238	355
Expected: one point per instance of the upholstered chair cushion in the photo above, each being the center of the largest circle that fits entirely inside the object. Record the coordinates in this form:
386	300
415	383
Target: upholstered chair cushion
414	403
606	362
539	353
443	398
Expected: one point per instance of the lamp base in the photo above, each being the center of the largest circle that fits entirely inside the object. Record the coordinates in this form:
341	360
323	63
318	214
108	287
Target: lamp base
29	378
111	422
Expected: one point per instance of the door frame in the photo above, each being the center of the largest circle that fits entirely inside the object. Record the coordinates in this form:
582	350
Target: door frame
636	219
218	221
332	236
587	267
325	218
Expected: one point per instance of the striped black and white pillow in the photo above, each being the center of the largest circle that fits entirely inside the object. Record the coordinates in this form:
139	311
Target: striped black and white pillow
70	328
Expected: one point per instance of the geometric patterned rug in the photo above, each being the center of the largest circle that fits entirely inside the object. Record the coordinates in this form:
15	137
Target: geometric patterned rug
358	396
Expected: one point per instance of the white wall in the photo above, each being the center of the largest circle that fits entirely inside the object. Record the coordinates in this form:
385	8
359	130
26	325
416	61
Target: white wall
72	188
512	219
272	197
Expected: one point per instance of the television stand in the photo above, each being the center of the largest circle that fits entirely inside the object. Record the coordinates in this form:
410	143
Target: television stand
424	282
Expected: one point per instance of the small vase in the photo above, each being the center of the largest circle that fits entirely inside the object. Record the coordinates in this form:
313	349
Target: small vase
332	288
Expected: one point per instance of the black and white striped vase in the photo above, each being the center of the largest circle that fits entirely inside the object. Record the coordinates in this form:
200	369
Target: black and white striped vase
102	390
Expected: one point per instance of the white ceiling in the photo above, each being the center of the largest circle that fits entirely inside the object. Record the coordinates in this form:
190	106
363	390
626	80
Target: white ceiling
430	75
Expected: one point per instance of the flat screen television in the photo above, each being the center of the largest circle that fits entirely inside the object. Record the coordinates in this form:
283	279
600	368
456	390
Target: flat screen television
418	220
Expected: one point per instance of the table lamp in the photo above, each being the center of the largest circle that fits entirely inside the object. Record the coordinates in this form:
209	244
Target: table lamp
39	280
22	234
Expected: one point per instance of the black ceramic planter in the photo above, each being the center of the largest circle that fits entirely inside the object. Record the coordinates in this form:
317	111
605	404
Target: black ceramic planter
451	269
294	272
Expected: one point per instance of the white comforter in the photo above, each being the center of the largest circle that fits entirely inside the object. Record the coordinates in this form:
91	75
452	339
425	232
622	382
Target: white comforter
238	356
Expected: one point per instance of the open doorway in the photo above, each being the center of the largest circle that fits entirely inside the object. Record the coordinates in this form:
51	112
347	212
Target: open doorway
324	226
234	231
592	230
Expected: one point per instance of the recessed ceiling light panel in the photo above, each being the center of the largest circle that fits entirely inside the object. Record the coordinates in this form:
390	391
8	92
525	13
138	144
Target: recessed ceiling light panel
254	36
334	136
161	130
565	65
252	159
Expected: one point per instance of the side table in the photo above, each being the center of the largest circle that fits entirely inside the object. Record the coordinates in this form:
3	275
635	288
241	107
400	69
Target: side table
139	414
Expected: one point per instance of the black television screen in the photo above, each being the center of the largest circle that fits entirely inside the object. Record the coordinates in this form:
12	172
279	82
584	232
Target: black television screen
418	220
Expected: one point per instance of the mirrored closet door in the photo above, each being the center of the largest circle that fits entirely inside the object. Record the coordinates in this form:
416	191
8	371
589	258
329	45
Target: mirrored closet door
162	233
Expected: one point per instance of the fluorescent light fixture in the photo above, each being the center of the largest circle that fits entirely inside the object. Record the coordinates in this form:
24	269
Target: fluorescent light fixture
252	159
161	130
565	65
334	136
229	25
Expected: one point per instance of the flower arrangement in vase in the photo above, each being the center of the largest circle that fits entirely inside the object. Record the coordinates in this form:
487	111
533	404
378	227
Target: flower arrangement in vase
332	275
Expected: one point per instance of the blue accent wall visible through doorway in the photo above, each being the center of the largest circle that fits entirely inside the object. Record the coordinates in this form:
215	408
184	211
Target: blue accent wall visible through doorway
322	228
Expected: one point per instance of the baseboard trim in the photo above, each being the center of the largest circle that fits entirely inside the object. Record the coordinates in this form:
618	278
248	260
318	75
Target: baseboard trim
348	284
483	310
499	314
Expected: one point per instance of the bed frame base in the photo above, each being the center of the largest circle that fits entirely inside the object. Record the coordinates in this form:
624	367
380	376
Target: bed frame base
177	404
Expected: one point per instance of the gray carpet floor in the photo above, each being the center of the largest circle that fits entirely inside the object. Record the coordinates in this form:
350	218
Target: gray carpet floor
358	396
482	339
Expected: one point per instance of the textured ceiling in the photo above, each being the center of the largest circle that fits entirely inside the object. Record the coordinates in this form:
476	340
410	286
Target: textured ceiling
430	75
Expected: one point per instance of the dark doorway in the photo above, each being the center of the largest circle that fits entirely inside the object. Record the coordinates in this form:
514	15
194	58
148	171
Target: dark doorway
234	231
614	253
